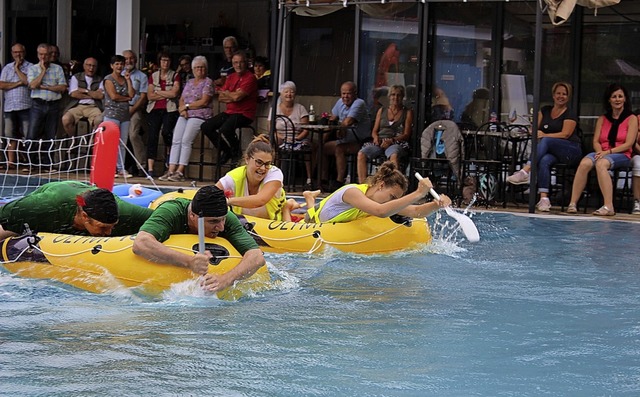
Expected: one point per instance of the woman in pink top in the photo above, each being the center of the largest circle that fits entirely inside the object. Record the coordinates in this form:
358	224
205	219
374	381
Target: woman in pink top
613	139
194	108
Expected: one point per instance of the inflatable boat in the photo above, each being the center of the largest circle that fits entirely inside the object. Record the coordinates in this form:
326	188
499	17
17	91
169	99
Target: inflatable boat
370	235
102	264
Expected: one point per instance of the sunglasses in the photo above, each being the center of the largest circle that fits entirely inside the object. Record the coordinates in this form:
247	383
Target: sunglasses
260	163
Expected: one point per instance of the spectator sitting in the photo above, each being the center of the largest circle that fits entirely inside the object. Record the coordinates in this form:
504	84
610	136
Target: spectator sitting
613	140
263	76
240	93
194	109
476	112
298	114
391	133
86	98
636	175
225	66
440	106
351	112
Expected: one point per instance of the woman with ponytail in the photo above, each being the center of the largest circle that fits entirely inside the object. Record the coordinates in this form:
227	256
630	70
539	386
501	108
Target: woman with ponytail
381	195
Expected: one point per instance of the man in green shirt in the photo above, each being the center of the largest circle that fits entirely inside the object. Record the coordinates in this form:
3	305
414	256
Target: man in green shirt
72	207
180	216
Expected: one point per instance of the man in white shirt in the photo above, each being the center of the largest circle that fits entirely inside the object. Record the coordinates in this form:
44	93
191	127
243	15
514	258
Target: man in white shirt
86	98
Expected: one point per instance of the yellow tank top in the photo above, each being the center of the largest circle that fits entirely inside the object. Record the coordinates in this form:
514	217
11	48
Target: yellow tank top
273	206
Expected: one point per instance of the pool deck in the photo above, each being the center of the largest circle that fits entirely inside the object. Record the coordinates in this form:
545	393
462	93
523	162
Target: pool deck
519	208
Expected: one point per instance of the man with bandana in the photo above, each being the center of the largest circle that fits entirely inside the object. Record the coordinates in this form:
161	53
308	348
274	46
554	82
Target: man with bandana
72	207
180	216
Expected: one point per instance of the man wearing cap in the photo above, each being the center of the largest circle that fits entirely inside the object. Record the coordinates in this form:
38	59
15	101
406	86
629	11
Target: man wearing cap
180	216
72	207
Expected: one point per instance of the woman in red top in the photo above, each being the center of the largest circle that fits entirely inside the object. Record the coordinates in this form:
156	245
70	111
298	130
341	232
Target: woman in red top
613	139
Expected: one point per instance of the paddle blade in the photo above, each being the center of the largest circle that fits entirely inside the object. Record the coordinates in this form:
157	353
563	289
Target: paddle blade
466	224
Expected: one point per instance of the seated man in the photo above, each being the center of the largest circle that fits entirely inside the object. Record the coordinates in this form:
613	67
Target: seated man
240	93
180	216
72	207
350	111
85	98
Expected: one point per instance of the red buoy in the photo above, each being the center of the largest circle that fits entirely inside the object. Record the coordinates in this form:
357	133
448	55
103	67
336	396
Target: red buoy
105	155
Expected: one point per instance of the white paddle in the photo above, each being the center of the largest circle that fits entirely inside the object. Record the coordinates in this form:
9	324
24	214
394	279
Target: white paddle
466	224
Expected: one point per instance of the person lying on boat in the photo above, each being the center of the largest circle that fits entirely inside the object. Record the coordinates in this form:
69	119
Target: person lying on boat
72	207
382	195
256	188
180	216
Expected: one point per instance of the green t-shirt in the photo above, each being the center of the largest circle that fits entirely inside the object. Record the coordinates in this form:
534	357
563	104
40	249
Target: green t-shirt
52	207
171	218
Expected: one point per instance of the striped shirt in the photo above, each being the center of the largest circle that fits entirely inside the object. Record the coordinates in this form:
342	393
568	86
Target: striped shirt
17	98
53	76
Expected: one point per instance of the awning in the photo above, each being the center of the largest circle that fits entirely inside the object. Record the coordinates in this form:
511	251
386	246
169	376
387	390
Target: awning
560	10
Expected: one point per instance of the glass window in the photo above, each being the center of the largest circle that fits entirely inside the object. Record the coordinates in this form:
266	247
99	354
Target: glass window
462	60
609	55
388	56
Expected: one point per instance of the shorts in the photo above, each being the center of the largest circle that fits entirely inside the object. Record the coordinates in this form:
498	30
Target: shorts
373	151
16	123
635	160
93	113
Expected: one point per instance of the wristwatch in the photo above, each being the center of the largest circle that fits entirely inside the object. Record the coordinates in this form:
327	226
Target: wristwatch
186	105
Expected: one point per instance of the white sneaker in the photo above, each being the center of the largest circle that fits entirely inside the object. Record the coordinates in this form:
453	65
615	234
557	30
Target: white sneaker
636	207
519	178
544	205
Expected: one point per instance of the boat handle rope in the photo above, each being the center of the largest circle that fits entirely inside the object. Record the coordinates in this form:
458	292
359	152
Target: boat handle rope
99	249
320	240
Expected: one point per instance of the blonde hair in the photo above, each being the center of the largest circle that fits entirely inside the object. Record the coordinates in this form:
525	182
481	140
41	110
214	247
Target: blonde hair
562	84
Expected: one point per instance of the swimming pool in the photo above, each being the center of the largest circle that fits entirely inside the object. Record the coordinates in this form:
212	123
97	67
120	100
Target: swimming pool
537	307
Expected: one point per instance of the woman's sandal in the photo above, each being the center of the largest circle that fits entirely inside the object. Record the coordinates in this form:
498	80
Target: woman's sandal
604	211
572	209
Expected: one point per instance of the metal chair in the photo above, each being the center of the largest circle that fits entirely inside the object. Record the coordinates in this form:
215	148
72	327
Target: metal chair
484	160
289	159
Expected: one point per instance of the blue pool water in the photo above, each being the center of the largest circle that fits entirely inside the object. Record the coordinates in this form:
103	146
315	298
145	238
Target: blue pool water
538	307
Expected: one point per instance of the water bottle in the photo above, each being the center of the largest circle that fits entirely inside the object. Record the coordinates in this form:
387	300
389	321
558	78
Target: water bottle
312	115
493	119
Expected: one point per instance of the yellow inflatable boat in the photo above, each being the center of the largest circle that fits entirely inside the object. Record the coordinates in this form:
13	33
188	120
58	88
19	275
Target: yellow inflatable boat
370	235
102	264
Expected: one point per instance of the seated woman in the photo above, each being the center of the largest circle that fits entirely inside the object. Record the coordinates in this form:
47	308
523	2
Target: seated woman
636	174
391	133
558	141
256	188
298	114
382	196
194	108
613	140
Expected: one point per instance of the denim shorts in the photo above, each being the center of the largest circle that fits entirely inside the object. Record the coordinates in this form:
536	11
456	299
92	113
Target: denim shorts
617	160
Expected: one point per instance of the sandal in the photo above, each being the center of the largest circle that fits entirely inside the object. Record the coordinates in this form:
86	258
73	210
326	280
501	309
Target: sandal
572	209
604	211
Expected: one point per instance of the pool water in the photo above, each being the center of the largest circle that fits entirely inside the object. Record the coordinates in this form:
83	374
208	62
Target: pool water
539	307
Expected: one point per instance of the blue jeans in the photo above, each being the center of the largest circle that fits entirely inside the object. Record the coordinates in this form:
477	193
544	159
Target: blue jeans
124	134
551	151
43	124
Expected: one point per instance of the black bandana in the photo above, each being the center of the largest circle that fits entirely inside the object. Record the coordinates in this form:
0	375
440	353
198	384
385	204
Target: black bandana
99	204
209	201
615	123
